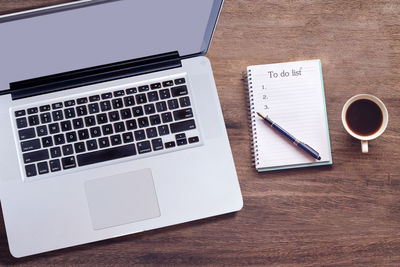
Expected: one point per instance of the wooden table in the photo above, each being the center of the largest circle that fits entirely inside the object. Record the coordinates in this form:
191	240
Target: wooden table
346	214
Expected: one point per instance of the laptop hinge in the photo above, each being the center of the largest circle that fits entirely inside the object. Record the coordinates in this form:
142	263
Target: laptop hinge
103	73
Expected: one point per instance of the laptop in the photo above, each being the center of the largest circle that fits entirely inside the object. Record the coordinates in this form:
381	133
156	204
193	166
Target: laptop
111	123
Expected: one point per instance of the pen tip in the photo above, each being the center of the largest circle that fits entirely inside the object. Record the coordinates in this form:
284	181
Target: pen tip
259	114
319	158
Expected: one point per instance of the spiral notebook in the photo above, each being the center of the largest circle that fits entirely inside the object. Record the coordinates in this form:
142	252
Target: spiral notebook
292	95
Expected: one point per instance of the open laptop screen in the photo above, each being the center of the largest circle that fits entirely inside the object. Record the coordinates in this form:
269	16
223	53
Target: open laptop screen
102	32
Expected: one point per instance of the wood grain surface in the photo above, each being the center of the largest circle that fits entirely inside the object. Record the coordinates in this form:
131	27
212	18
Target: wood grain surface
346	214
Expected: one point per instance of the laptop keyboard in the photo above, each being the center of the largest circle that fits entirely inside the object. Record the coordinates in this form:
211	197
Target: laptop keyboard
111	125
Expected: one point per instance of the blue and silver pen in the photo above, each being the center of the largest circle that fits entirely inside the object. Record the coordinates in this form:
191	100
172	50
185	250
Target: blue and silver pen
295	141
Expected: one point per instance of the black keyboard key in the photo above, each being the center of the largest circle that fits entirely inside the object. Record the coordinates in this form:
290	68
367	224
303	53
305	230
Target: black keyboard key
90	121
151	132
170	144
58	115
126	114
157	144
143	122
41	130
127	137
164	94
152	96
180	81
68	163
163	130
94	98
82	100
83	134
95	132
155	120
182	126
119	93
149	109
168	83
105	106
179	90
141	99
69	113
57	105
44	108
94	108
107	129
119	127
20	113
81	110
144	147
33	120
32	110
30	145
183	114
35	156
67	150
116	140
69	103
91	145
104	142
184	101
143	88
131	91
26	133
194	139
55	152
22	123
47	141
161	106
166	117
117	103
113	116
129	101
43	167
102	118
45	117
131	124
140	135
173	104
55	165
30	170
54	128
137	111
66	126
80	147
106	155
59	139
155	86
106	96
78	123
181	139
71	137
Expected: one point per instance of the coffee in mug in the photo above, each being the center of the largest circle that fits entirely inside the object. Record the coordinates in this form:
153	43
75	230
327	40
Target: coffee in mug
365	117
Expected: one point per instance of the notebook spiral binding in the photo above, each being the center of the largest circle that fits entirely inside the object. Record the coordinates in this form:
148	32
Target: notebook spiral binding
247	80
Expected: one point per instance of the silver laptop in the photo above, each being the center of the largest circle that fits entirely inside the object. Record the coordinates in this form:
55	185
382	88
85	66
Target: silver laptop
110	122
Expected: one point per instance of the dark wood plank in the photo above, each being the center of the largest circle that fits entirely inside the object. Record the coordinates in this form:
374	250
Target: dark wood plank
347	214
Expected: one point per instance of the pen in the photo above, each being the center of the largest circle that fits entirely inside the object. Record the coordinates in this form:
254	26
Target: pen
295	141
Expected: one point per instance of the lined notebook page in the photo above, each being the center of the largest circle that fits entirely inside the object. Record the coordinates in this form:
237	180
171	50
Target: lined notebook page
292	95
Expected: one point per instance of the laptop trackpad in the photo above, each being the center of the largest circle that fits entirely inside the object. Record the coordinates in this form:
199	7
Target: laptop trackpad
121	199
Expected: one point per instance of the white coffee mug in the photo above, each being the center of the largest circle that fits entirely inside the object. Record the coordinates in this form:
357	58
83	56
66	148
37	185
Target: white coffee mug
385	119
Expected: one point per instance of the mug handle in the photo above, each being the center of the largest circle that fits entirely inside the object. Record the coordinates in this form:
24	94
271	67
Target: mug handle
364	146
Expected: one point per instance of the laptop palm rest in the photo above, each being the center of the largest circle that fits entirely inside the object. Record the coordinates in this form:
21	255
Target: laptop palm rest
122	199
